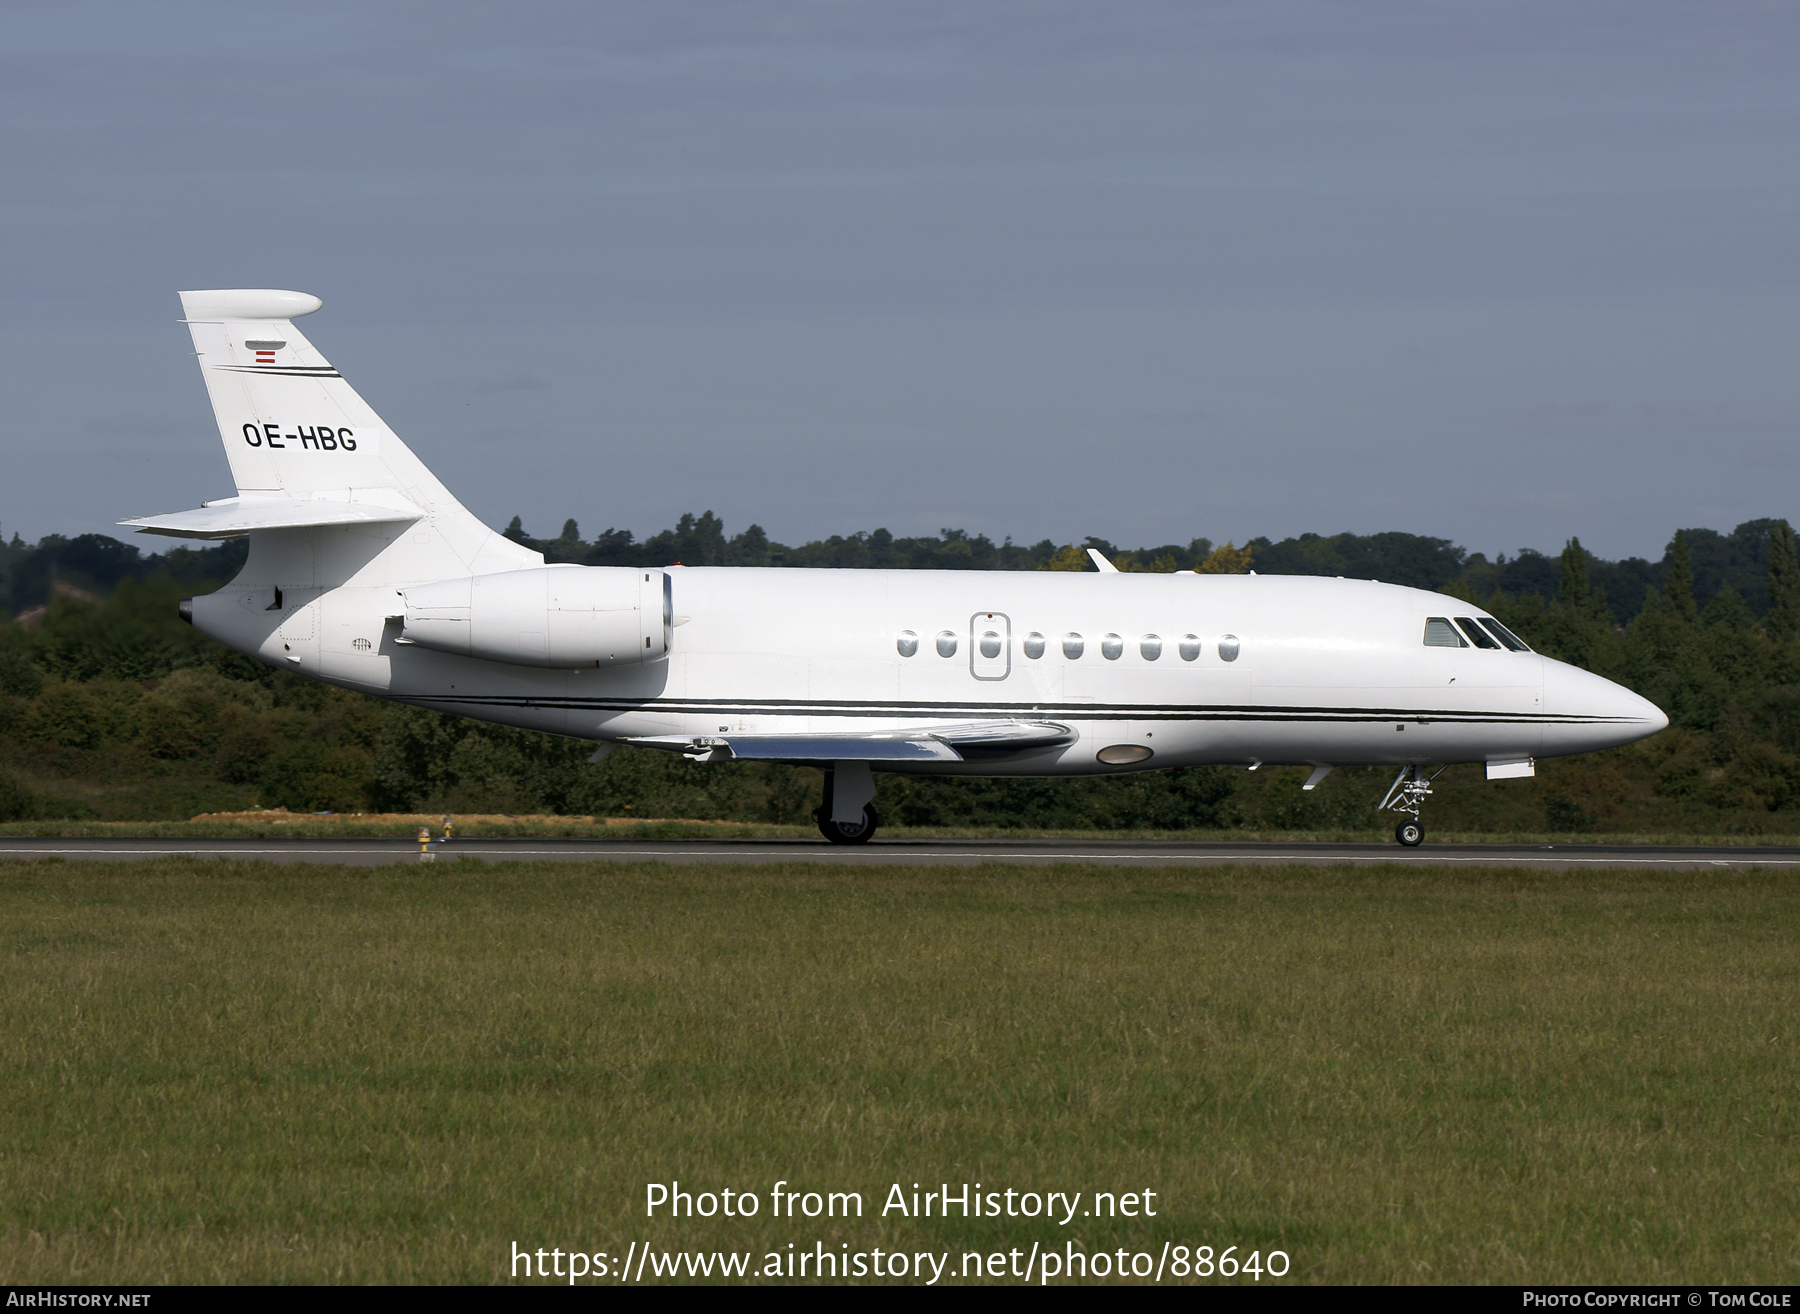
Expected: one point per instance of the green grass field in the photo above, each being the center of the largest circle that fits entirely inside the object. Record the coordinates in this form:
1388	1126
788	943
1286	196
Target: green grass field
218	1072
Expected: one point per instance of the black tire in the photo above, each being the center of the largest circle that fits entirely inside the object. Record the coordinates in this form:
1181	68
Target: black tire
838	833
1410	833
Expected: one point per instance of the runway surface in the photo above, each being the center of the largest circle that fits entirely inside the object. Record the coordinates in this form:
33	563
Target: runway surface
1151	853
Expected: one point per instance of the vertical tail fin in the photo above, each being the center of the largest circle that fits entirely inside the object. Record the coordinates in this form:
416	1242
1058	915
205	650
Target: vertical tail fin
296	432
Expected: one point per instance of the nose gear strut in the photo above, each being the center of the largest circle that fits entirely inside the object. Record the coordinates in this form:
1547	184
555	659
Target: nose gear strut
1407	794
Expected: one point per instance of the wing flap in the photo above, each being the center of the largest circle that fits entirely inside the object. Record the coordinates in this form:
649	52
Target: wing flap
837	748
955	743
1003	736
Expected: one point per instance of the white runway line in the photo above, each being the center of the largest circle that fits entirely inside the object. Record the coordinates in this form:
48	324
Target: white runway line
402	851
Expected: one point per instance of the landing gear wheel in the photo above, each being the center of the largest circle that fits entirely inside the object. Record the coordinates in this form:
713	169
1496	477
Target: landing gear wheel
839	832
1410	833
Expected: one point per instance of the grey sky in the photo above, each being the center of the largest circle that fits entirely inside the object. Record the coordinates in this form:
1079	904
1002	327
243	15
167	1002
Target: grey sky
1498	272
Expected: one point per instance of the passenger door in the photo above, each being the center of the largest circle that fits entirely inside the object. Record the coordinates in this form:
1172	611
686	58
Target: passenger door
990	645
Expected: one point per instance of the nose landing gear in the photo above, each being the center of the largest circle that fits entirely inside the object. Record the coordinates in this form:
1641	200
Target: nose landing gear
1407	794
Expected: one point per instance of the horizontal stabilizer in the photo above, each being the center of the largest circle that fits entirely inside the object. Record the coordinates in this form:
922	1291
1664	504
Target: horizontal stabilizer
235	517
955	743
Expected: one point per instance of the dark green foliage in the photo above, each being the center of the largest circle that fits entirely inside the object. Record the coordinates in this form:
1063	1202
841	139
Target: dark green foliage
135	636
1565	814
1529	574
1577	627
1393	558
427	761
19	676
1679	590
1739	560
1575	593
1160	800
307	776
1782	583
100	564
1728	612
701	541
17	803
121	710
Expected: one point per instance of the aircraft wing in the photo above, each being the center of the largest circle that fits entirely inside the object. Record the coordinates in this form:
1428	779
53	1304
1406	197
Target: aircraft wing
950	743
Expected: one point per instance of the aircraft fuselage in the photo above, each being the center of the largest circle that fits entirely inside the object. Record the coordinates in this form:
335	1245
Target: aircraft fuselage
1320	670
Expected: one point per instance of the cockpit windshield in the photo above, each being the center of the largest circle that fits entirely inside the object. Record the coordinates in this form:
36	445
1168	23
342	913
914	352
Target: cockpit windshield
1478	636
1505	635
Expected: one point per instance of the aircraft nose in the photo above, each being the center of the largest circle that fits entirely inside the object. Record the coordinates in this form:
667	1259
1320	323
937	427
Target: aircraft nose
1589	712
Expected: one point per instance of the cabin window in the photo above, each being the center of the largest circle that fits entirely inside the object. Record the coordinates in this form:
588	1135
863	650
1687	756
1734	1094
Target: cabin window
1190	647
1228	648
907	643
1478	636
1112	647
1440	633
1150	647
1505	635
1034	645
990	645
946	643
1073	646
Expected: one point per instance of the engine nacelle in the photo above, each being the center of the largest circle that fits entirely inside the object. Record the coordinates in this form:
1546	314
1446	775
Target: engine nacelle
558	616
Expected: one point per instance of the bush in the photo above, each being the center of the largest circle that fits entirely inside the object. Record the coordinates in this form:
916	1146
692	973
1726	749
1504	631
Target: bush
18	676
307	775
17	803
184	716
67	716
247	741
1565	814
1192	799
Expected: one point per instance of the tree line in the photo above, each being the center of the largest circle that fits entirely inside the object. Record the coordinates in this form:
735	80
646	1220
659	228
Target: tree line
1738	560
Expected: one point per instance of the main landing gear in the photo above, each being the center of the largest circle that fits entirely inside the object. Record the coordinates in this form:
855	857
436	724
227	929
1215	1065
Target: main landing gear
852	785
839	832
1407	794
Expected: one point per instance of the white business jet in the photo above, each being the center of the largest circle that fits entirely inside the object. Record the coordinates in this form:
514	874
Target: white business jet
364	572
